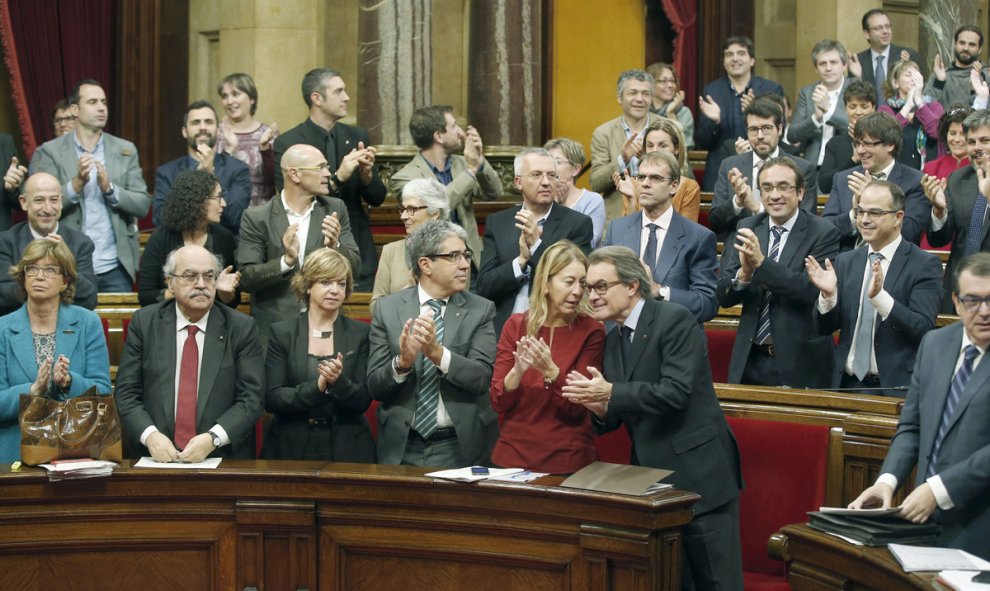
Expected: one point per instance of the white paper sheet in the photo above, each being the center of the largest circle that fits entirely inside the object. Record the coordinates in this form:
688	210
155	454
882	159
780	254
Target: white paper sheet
207	464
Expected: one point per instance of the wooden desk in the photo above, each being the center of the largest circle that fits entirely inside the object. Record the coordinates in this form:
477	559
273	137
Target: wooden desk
309	525
819	562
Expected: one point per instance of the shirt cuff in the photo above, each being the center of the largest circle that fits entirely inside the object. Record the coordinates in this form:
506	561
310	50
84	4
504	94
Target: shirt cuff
888	479
221	433
665	293
621	161
536	245
980	102
938	223
738	284
282	265
884	303
736	209
517	272
825	305
147	433
445	361
942	497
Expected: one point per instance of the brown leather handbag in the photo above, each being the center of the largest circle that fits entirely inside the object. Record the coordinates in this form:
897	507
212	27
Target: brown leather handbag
83	427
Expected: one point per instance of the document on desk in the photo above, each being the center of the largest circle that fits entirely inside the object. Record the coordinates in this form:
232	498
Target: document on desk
466	474
927	558
207	464
618	478
859	512
961	580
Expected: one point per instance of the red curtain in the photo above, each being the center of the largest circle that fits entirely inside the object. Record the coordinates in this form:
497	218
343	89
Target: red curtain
49	45
683	15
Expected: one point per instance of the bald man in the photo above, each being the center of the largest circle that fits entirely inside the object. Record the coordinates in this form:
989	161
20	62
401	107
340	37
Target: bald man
41	199
276	236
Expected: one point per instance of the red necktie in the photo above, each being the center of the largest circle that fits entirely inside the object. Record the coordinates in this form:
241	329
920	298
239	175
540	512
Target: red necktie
185	410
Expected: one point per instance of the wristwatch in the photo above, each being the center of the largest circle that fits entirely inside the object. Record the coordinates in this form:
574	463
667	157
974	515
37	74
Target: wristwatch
110	192
216	438
399	370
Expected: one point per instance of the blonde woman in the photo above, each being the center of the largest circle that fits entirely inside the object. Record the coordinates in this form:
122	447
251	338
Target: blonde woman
538	428
569	156
918	114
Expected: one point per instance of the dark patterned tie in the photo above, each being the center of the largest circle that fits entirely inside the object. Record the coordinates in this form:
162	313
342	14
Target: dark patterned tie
763	332
879	76
626	333
428	397
650	254
974	236
863	347
955	391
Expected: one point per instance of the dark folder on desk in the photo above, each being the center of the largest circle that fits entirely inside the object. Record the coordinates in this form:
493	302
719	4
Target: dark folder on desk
875	531
617	478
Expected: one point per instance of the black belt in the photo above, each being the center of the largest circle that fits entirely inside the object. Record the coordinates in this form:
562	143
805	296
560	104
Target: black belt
441	434
764	349
871	379
320	422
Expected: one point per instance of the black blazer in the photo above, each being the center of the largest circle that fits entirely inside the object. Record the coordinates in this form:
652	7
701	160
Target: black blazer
151	281
292	396
801	352
666	400
866	60
15	240
496	280
960	197
838	156
346	138
913	279
234	177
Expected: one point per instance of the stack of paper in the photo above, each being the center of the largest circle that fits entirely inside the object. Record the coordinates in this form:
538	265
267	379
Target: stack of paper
78	469
466	475
961	580
925	558
207	464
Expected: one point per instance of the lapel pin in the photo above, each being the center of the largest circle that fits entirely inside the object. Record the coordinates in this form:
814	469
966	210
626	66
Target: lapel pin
221	337
68	331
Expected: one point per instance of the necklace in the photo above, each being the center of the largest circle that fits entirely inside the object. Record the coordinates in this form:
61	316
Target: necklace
321	334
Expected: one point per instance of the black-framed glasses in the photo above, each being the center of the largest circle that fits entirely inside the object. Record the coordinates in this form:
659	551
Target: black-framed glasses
761	129
453	257
871	213
33	270
972	303
601	287
208	278
653	178
65	119
411	210
784	188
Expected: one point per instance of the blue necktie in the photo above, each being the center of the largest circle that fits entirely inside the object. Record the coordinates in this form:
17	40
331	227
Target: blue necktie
955	391
428	397
863	348
975	234
879	76
763	333
650	254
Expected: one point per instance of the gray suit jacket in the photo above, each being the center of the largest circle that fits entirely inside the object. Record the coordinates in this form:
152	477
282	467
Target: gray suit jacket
803	129
58	158
461	192
469	334
259	256
231	382
607	142
964	458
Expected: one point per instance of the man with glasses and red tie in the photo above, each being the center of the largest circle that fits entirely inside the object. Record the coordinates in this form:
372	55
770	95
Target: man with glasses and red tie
191	381
515	238
877	139
883	297
679	253
763	268
431	359
959	203
943	426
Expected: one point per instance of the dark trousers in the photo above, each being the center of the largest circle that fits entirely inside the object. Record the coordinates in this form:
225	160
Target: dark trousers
870	384
115	280
761	368
713	551
439	452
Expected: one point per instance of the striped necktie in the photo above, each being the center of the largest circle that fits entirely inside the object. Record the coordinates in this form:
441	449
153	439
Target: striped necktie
428	397
763	333
955	392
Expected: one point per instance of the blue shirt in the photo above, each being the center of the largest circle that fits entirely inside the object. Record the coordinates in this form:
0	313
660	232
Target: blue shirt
96	219
445	177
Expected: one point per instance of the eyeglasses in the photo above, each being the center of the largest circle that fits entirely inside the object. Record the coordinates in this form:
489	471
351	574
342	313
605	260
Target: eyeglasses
871	213
972	303
601	287
208	278
958	110
885	27
762	129
33	270
539	176
320	167
411	210
865	144
65	119
221	195
653	178
666	81
785	188
453	257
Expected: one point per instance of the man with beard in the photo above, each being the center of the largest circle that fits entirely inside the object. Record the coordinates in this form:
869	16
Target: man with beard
199	128
955	84
959	203
453	157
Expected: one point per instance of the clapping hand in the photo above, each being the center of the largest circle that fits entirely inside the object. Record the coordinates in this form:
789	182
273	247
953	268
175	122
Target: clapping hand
934	188
40	385
267	137
593	392
15	175
331	230
855	68
709	108
62	377
329	370
823	278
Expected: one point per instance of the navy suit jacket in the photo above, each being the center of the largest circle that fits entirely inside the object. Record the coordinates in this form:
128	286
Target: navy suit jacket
866	60
709	135
686	263
964	457
15	240
800	350
234	177
496	279
723	219
914	280
917	209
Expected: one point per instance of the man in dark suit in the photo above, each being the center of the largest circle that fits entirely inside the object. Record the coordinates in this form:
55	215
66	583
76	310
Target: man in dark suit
723	101
943	426
680	253
199	128
657	381
737	193
42	200
432	352
211	408
883	296
12	179
350	154
762	268
959	204
879	58
877	138
276	236
515	238
860	99
821	113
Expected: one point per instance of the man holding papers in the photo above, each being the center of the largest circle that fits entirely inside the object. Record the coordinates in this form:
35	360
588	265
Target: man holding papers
943	428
